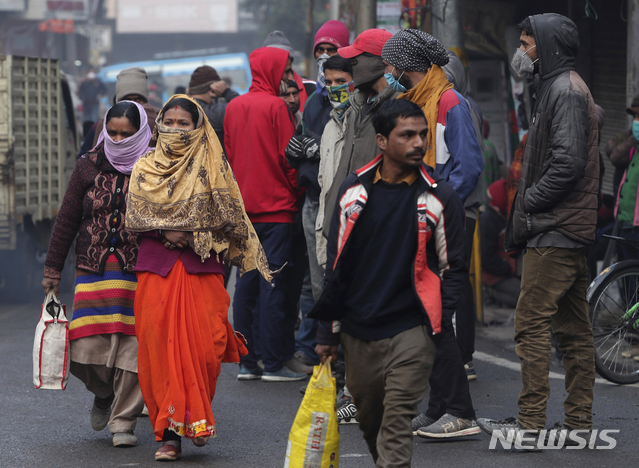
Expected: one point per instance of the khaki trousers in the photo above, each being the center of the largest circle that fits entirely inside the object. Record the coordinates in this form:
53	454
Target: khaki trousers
105	381
387	379
553	294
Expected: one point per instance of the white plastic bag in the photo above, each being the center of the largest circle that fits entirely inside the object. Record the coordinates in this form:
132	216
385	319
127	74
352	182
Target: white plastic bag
51	358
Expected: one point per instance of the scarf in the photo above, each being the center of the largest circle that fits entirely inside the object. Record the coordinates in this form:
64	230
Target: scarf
123	154
320	86
426	95
186	184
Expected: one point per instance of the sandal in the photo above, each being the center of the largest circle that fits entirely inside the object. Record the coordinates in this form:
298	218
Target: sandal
170	450
200	441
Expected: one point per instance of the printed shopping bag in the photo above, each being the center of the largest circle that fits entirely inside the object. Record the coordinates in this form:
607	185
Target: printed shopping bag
51	358
314	438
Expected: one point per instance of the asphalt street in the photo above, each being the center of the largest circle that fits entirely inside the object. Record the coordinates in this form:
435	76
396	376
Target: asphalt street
44	428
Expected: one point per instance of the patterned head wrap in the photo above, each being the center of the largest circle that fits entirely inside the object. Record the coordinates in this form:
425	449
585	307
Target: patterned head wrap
186	184
413	50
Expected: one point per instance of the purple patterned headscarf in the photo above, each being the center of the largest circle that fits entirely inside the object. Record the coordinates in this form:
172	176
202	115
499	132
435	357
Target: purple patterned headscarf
124	154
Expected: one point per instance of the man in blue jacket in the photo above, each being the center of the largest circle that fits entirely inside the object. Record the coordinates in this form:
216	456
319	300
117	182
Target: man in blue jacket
395	266
413	59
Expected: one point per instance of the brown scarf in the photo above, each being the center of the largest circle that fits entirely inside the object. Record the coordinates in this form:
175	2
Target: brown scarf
426	95
186	184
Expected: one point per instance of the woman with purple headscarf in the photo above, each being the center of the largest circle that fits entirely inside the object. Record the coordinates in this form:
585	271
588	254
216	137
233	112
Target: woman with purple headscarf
103	346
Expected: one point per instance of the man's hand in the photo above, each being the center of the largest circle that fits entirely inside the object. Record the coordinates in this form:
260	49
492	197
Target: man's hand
51	283
173	239
324	351
219	87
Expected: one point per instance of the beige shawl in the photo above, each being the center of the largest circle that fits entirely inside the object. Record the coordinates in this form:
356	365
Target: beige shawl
186	184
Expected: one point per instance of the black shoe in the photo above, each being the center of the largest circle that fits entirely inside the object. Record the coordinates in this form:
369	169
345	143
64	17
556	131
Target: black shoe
347	414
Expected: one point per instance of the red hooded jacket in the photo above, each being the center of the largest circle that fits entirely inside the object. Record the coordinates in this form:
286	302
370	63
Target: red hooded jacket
257	129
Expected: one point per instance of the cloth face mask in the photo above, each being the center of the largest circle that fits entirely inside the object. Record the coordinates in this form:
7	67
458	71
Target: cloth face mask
522	64
338	95
394	82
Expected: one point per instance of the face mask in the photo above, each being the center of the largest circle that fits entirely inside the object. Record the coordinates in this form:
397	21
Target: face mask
321	80
338	95
394	82
522	64
635	130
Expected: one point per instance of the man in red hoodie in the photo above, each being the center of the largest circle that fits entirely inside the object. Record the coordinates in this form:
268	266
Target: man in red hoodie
257	129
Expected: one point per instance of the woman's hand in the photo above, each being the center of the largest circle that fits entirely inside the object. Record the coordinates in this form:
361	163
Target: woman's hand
51	283
175	239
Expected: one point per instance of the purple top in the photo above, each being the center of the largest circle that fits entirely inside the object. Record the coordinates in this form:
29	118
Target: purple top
156	258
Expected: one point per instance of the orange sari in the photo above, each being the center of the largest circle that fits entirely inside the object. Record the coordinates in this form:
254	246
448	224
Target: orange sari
184	336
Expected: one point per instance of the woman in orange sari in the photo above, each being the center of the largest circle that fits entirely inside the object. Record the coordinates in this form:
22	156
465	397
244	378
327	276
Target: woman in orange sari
185	201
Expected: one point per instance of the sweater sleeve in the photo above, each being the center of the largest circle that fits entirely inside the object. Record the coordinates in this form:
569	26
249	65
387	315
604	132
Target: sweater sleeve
449	242
327	333
69	218
467	157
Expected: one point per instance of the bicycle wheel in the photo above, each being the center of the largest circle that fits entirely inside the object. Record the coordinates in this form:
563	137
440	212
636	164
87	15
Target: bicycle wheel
614	309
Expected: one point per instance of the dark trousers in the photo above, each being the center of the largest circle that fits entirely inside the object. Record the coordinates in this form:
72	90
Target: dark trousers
465	317
387	379
449	390
251	290
553	295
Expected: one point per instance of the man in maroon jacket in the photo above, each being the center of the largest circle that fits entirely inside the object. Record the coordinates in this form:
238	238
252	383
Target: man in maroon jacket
257	129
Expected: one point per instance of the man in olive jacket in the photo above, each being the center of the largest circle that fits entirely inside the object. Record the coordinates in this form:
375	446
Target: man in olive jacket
554	218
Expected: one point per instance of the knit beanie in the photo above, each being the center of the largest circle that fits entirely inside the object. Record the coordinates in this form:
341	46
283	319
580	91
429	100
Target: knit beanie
332	32
278	39
414	50
131	81
201	79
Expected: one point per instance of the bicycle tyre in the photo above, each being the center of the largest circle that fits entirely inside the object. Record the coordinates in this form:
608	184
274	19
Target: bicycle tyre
616	291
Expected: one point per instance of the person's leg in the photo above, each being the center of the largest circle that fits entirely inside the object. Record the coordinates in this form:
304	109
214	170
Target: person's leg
97	379
507	291
305	340
465	317
294	274
309	216
573	330
128	402
276	239
245	303
406	371
364	366
450	391
546	276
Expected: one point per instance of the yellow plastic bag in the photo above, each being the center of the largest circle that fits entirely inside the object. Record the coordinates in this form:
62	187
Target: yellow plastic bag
314	438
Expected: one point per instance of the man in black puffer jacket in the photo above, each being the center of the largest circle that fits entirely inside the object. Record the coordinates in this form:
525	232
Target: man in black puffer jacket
554	216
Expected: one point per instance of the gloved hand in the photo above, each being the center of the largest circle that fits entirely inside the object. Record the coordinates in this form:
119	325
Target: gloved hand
302	147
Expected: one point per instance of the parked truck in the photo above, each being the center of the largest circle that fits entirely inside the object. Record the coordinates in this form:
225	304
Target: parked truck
38	148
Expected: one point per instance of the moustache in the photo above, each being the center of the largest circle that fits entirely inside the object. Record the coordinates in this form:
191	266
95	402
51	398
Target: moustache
418	152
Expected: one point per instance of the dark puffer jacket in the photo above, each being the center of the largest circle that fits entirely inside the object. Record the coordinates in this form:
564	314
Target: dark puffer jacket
560	174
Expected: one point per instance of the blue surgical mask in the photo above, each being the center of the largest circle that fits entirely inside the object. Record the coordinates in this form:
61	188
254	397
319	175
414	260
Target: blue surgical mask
394	82
635	130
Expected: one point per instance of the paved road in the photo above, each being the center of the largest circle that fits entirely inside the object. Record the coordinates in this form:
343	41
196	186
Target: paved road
51	428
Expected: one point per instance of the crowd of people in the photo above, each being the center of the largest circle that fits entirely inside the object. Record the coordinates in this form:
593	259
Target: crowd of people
349	211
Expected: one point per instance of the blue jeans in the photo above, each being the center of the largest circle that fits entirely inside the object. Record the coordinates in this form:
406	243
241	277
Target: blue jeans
251	290
306	340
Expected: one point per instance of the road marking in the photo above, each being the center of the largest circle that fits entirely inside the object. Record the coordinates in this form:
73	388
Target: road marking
516	366
353	455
